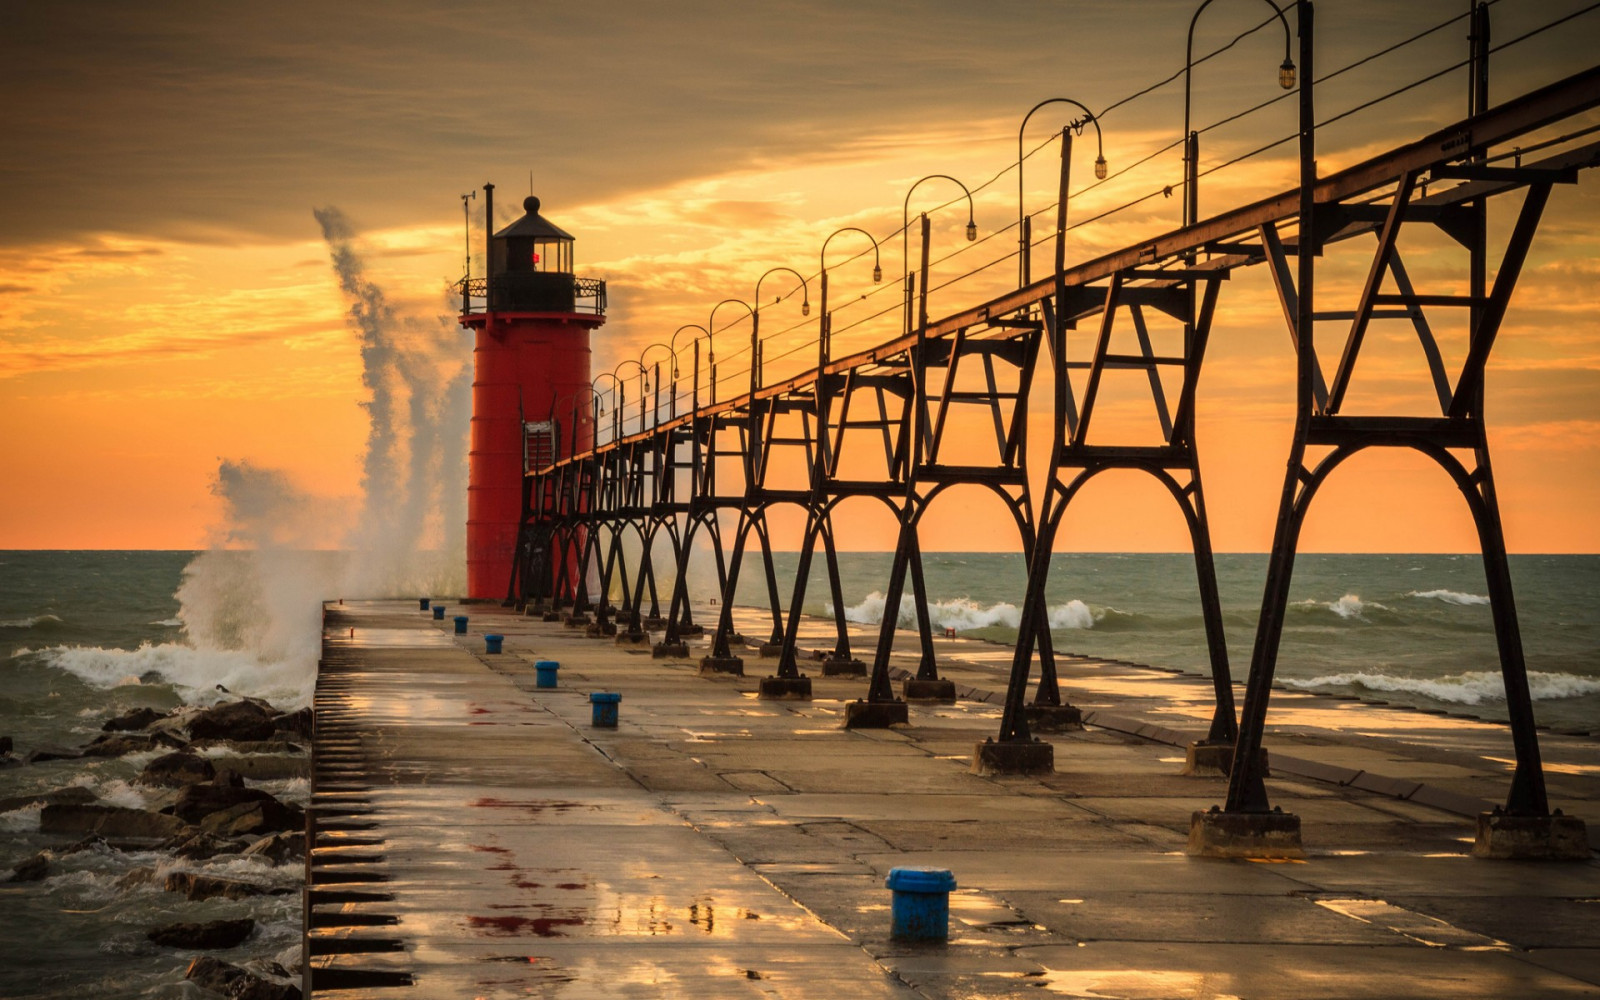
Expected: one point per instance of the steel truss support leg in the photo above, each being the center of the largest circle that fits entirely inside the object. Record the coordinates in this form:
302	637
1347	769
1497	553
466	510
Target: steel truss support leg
788	665
841	646
722	659
881	708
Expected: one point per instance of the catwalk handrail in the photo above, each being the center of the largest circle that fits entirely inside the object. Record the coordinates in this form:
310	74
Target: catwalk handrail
1456	142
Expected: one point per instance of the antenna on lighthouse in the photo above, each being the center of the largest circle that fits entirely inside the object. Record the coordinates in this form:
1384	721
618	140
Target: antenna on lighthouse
466	279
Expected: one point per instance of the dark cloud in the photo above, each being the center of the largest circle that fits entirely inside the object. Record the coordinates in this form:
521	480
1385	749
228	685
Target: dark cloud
216	122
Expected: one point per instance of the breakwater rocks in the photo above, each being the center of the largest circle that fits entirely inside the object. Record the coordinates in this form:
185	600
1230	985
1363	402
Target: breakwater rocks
194	808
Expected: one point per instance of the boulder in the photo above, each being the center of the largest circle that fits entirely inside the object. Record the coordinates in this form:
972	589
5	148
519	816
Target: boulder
236	720
281	746
138	718
213	974
32	870
196	802
177	769
196	887
227	777
199	846
71	795
107	821
135	878
256	988
5	744
279	848
120	744
264	816
39	755
267	767
298	723
216	934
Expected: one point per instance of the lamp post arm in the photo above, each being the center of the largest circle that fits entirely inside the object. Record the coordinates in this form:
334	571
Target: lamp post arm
1191	167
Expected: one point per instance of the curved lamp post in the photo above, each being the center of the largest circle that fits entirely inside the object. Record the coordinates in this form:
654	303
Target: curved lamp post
694	390
1191	140
905	228
576	397
1024	223
755	319
711	347
673	358
622	389
616	385
825	322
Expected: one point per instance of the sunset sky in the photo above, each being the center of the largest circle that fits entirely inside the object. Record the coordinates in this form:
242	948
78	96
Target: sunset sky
167	302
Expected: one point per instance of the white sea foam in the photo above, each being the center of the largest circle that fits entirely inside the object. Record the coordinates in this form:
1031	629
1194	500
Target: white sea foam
24	820
1348	607
169	623
1449	597
1471	688
28	622
194	673
965	615
112	791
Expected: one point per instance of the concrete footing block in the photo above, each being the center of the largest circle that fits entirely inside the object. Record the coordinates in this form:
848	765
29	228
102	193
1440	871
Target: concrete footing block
769	650
669	650
1217	834
628	637
875	714
786	688
691	629
1031	757
913	689
600	630
832	667
1547	838
575	621
721	665
551	616
1215	760
653	623
1053	718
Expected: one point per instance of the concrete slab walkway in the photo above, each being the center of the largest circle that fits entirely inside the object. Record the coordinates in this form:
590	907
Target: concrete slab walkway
478	838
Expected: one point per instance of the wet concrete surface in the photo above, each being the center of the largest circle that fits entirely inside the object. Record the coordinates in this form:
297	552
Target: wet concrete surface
717	845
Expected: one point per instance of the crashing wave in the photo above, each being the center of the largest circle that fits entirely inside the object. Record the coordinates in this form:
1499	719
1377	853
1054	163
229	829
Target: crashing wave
1471	688
965	615
194	673
1349	607
1449	597
28	622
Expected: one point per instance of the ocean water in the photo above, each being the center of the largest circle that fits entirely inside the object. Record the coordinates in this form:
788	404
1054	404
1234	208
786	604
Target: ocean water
87	635
1410	630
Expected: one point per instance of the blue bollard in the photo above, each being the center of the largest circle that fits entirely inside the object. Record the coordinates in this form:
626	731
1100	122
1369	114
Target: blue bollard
491	643
921	907
603	709
461	624
438	612
424	602
546	670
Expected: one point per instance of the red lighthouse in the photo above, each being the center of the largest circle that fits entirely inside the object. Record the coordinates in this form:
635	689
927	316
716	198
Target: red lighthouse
532	352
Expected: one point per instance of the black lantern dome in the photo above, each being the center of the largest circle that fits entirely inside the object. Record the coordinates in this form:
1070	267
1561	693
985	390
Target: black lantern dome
530	265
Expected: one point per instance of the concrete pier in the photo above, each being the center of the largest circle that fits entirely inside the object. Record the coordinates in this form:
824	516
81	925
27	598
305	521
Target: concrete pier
477	837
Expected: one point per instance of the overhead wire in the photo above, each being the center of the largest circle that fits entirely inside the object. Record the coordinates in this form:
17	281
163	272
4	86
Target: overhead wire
1165	190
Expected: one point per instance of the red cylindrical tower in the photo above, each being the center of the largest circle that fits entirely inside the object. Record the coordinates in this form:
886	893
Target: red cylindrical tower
532	353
